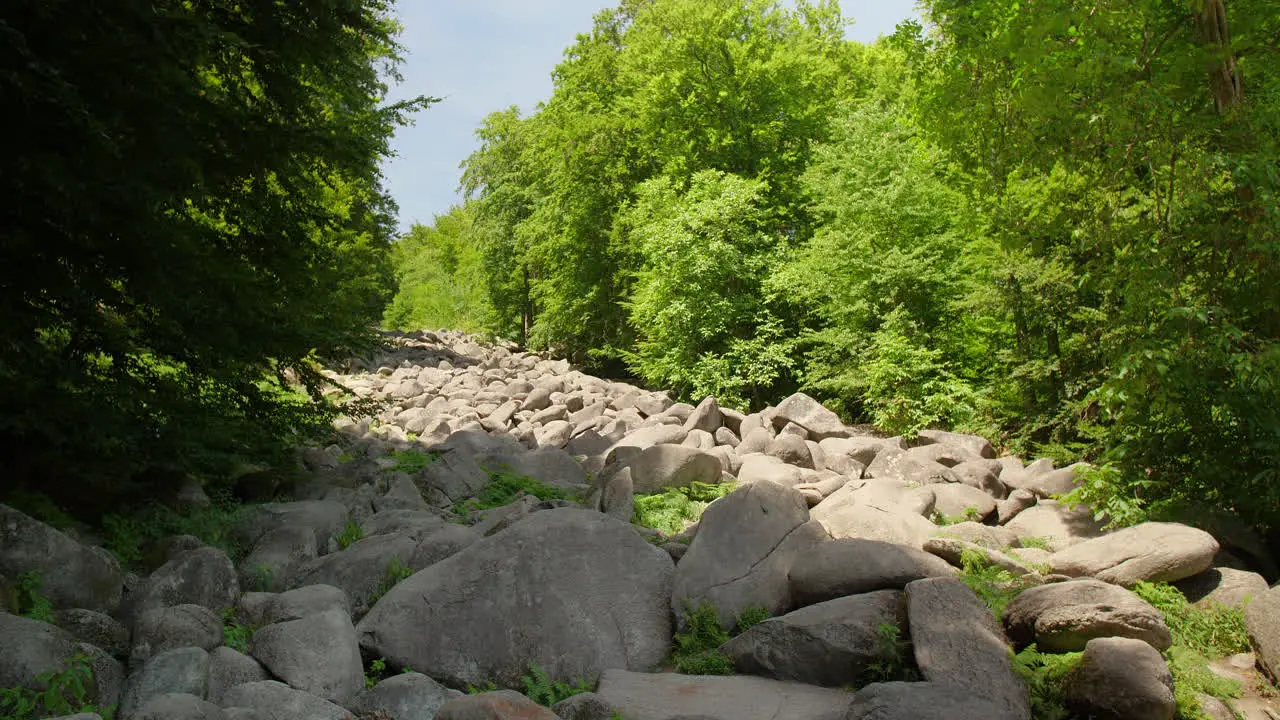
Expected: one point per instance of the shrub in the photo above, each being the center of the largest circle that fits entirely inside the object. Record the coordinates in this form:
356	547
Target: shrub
543	690
672	510
505	487
895	661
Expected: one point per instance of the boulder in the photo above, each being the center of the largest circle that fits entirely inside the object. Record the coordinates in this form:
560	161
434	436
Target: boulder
921	701
672	466
958	643
229	668
979	474
953	551
1014	505
831	643
810	415
181	670
892	463
97	629
1262	620
499	705
618	499
668	696
993	538
861	449
844	515
174	627
1120	679
1065	616
1154	552
318	654
973	444
204	577
178	706
1046	485
72	574
963	501
325	517
31	648
584	706
407	696
790	449
1057	525
743	551
631	445
278	554
767	468
276	701
706	416
1224	586
571	590
756	441
838	568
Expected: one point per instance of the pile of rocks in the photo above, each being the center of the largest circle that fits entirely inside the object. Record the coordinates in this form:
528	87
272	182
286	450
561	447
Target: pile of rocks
837	533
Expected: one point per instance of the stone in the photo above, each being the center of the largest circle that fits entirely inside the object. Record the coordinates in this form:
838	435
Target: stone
167	628
958	643
1262	620
672	466
767	468
725	436
274	700
852	566
790	449
1065	616
97	629
631	445
326	517
921	701
993	538
181	670
1120	679
1057	525
743	552
584	706
277	556
706	416
811	415
498	705
407	696
978	474
867	513
861	449
959	500
756	441
607	607
1154	552
204	577
318	654
178	706
266	608
31	648
72	574
953	550
228	668
1014	505
1046	485
892	463
974	444
618	499
668	696
830	643
1224	586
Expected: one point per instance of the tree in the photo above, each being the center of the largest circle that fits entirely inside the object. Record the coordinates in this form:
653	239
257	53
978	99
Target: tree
193	207
441	276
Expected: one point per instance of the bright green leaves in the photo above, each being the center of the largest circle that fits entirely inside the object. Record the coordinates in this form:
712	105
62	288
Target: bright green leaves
441	273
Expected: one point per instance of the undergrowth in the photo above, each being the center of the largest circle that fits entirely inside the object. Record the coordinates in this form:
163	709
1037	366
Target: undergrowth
672	510
128	535
236	635
894	660
1045	675
65	692
505	488
412	461
30	602
994	585
395	572
696	651
350	535
541	689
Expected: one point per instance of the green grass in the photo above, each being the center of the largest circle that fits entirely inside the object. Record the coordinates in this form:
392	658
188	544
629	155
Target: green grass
65	692
395	572
541	689
505	487
412	461
696	651
350	535
674	509
235	634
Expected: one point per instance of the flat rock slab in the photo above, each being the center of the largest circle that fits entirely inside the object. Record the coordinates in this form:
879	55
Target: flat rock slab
852	566
1154	552
919	701
663	696
958	643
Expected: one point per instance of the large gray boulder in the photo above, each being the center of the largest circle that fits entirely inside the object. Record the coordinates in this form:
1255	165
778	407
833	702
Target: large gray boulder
1154	552
973	444
672	466
851	566
571	590
897	524
892	463
743	551
325	517
831	643
72	574
407	696
958	643
921	701
1065	616
810	415
278	554
668	696
181	670
31	648
179	706
319	654
273	700
97	629
1058	526
204	577
167	628
1120	679
229	668
1262	620
1223	586
498	705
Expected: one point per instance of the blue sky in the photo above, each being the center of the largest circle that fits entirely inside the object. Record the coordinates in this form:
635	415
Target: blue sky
486	55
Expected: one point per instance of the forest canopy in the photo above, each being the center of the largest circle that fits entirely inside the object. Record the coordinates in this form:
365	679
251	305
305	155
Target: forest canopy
1056	226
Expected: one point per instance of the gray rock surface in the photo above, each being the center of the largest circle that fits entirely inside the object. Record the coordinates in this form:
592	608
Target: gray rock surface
585	591
850	566
273	700
1121	679
204	577
72	574
1065	616
229	668
499	705
1262	620
666	466
407	696
668	696
1224	586
179	706
31	648
1154	552
182	670
921	701
318	654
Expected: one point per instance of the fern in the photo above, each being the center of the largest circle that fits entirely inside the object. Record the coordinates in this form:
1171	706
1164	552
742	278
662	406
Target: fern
540	688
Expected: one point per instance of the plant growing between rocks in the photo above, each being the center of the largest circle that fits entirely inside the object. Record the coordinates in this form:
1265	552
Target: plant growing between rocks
29	601
540	688
506	487
351	533
696	651
65	692
674	509
236	635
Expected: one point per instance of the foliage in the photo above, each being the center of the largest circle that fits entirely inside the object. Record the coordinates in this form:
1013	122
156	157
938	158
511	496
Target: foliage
488	686
31	603
504	488
696	651
377	670
993	585
1214	631
541	689
395	571
219	224
412	461
129	535
894	660
1192	676
1034	541
1045	675
64	692
970	514
441	276
235	634
350	535
750	617
672	510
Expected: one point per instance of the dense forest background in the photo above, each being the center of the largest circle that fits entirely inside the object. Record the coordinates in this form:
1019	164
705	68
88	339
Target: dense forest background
1053	223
